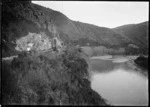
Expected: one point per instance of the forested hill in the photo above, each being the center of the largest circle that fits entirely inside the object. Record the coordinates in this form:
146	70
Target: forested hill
20	18
137	33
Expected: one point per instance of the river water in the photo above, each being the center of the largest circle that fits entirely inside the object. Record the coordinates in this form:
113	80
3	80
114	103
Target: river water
119	82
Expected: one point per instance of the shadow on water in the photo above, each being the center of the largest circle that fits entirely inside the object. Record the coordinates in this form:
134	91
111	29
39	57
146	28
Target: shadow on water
105	66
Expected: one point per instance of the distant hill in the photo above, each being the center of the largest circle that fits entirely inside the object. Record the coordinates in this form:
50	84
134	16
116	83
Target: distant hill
20	18
137	33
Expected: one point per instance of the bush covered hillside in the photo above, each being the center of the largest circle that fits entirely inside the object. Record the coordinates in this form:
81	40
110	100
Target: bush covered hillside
38	79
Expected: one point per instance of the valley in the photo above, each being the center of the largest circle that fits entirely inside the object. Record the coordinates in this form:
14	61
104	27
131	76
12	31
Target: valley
49	59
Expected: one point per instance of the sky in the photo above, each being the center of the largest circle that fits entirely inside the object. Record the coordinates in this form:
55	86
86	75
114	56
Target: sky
104	14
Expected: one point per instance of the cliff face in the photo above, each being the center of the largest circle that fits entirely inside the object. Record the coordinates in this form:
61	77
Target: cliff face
33	41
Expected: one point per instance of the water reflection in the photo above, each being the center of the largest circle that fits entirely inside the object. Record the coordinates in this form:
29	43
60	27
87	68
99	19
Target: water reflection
120	86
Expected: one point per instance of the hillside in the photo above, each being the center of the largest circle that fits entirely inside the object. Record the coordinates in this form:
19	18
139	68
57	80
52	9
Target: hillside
48	79
137	33
21	18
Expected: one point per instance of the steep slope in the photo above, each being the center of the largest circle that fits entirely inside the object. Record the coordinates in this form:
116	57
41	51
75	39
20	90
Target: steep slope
21	18
137	33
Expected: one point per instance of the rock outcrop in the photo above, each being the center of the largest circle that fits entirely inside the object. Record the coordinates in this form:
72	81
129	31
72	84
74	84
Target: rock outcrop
38	42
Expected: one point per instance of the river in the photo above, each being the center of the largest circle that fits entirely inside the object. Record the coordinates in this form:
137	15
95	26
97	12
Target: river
119	81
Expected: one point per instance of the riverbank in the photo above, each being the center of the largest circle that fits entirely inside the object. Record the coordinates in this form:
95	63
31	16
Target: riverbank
115	58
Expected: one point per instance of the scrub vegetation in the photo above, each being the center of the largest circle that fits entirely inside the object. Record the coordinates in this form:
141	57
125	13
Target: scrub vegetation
38	79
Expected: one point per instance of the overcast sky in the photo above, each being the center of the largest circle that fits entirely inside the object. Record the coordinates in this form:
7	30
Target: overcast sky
105	14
